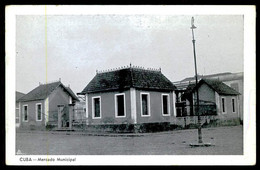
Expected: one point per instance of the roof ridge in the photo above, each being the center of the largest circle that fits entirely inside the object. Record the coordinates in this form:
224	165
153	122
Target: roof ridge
19	92
128	67
209	81
54	88
112	70
45	90
57	86
35	89
51	82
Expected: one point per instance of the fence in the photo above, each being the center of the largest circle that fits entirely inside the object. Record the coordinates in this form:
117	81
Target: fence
79	116
205	110
190	121
191	110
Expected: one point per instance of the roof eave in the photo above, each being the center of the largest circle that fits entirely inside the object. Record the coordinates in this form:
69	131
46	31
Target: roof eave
228	94
68	91
31	100
126	88
104	90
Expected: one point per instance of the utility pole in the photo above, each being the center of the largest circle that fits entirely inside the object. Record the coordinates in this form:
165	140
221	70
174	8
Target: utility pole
196	77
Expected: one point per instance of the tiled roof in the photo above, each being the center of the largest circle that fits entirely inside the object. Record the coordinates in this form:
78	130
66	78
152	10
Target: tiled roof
44	90
218	86
18	95
126	78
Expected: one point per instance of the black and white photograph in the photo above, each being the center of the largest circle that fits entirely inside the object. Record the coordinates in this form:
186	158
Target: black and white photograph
166	85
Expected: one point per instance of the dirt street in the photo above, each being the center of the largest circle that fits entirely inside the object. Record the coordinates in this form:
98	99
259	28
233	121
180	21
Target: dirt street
226	140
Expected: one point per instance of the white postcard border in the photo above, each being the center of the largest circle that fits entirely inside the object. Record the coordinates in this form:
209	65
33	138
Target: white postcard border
249	157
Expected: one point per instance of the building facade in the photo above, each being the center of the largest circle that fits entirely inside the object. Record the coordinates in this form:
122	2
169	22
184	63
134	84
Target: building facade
18	95
129	96
214	93
39	107
233	80
217	101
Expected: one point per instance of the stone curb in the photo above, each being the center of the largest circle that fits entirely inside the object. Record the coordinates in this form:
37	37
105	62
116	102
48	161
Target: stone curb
83	133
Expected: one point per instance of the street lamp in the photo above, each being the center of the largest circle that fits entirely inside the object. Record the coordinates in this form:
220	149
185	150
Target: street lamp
196	77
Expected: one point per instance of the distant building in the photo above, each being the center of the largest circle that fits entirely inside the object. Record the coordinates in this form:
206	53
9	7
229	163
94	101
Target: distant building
129	95
215	98
233	80
39	107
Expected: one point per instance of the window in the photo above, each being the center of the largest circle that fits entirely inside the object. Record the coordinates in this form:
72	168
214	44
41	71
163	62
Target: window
120	105
25	113
96	107
38	111
233	105
165	105
145	104
223	105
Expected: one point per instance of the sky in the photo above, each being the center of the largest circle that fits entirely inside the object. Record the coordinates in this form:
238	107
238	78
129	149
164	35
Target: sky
73	47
